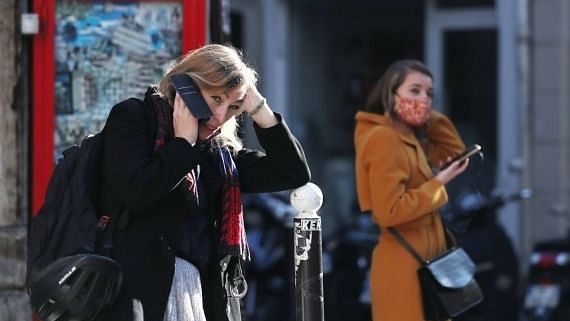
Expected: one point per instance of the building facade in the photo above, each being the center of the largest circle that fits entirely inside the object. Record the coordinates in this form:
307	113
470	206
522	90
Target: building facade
14	146
501	69
501	73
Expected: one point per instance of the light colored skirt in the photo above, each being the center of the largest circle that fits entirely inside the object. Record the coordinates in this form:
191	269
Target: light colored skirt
185	299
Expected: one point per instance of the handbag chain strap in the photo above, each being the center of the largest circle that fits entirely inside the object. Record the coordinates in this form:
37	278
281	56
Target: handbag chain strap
406	245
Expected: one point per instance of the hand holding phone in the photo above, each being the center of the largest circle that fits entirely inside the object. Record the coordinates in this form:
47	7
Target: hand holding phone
463	156
192	97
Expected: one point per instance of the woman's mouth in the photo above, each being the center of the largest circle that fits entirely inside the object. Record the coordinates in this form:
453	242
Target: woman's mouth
208	131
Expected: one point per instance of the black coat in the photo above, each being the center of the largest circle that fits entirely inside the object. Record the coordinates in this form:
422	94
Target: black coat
138	183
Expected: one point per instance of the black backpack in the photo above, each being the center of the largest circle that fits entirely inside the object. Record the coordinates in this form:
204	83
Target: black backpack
68	222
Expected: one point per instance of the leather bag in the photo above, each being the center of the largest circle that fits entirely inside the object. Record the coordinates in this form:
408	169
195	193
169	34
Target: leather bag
447	282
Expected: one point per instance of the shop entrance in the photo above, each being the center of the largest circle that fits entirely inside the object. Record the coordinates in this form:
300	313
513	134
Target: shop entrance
339	51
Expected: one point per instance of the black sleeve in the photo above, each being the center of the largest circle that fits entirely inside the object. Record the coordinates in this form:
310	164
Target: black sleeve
137	174
283	165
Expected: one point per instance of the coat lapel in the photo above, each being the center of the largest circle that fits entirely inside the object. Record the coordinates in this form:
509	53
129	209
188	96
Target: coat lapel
423	165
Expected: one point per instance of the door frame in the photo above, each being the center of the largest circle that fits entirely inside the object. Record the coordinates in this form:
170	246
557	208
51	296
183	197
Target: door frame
510	118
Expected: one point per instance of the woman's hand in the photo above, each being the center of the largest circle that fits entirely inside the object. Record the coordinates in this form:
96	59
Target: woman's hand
445	176
184	123
256	106
252	99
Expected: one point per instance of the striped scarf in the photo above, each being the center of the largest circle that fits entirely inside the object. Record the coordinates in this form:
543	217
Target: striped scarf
233	239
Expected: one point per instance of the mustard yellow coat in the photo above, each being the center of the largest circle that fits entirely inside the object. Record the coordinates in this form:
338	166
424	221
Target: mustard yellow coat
395	182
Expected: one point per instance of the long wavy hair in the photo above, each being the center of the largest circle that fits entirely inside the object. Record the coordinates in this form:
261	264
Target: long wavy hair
212	67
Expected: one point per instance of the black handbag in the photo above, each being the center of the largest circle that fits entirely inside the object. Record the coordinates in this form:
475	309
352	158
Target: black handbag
447	282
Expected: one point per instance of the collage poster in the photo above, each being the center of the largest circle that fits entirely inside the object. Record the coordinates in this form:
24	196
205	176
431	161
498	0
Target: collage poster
107	52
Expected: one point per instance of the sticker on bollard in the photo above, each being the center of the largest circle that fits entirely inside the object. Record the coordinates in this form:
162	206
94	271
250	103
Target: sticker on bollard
304	230
302	248
308	224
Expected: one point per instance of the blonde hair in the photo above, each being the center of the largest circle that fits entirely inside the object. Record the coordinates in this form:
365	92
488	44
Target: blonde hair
212	67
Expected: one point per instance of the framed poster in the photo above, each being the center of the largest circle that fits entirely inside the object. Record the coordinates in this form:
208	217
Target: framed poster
90	55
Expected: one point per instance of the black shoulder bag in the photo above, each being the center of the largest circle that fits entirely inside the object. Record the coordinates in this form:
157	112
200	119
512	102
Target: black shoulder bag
447	282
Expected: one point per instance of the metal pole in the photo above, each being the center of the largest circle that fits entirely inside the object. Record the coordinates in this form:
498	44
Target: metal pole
309	302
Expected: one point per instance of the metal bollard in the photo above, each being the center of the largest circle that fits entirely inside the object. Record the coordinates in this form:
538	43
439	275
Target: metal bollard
309	301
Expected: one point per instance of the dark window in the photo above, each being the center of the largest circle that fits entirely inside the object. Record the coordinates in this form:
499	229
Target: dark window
450	4
470	93
236	23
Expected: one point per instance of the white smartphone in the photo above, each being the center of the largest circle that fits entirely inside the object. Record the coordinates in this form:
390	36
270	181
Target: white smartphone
463	156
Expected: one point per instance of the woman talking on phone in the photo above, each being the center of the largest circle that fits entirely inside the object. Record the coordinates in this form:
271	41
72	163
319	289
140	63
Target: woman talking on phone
175	184
398	140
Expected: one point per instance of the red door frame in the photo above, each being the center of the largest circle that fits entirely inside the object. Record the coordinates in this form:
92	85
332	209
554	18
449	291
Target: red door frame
43	101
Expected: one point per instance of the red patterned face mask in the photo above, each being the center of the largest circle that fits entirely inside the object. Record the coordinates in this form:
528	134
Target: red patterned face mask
414	112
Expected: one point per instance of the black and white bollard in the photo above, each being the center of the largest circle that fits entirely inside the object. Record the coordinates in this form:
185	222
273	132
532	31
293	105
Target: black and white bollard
309	301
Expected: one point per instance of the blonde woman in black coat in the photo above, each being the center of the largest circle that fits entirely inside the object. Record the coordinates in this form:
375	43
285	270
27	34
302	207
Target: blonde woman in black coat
175	186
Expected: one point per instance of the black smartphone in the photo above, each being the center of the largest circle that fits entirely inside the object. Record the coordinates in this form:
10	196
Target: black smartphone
192	97
463	156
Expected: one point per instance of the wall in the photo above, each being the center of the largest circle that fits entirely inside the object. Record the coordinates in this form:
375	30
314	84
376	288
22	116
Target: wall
13	171
550	118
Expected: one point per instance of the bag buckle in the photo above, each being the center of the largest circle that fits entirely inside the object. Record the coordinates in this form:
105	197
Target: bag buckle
233	279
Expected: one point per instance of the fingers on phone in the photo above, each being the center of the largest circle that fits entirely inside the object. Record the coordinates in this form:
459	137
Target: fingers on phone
463	164
178	102
444	164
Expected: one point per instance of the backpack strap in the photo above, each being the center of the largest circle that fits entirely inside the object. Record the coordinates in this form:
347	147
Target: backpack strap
105	230
103	235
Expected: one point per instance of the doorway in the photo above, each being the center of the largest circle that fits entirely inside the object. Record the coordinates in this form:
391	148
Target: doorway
338	51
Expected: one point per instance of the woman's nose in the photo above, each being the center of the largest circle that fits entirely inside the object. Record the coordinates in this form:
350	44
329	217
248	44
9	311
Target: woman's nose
221	116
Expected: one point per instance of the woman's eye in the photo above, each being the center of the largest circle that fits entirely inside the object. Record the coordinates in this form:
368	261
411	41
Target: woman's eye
430	94
217	99
234	107
415	91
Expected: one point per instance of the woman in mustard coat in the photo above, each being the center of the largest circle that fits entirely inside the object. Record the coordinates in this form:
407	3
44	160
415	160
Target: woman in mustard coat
398	141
